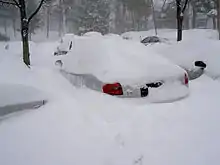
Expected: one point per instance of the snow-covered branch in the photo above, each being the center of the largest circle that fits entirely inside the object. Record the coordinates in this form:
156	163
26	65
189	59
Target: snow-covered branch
36	11
185	5
17	4
14	2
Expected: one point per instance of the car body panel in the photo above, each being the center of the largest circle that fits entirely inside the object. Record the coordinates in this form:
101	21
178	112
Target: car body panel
170	90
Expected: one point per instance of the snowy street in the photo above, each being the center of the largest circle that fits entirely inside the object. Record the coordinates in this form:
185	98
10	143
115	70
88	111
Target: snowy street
81	126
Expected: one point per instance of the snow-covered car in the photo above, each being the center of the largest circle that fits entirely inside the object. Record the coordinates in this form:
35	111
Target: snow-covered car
123	68
152	40
92	34
65	45
16	97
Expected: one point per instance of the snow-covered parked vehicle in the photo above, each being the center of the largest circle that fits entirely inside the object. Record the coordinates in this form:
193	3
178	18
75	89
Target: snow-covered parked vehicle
196	71
192	56
16	97
92	34
153	40
65	45
123	68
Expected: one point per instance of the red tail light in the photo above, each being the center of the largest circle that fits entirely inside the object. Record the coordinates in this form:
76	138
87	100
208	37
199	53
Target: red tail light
186	79
113	89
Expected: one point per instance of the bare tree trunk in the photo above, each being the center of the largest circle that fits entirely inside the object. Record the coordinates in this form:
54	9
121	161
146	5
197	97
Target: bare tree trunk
214	22
154	17
48	21
218	17
179	21
206	22
30	37
186	22
179	29
14	26
194	17
64	19
61	18
24	32
180	16
133	21
5	27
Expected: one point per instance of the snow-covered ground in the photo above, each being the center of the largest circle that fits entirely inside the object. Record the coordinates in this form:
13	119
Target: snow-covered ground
80	126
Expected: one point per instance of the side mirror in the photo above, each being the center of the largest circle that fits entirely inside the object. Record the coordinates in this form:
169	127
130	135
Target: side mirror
71	45
59	63
200	64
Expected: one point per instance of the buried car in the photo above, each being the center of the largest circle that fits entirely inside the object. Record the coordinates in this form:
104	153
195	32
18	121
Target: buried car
65	45
153	40
17	97
123	68
196	71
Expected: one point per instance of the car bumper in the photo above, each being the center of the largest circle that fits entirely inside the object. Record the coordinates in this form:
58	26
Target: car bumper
165	93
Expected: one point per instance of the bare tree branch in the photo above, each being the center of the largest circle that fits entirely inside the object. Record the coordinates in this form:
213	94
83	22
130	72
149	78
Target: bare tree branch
36	11
8	3
164	3
185	5
17	4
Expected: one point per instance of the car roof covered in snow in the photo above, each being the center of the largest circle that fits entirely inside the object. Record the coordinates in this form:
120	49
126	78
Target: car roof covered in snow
92	34
115	59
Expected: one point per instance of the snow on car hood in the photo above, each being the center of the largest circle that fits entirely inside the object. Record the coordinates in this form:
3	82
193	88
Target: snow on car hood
117	60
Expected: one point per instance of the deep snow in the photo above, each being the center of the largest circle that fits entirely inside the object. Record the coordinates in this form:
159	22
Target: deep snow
80	126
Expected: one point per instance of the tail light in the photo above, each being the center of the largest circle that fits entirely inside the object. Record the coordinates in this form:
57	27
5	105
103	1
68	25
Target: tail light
186	79
113	89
